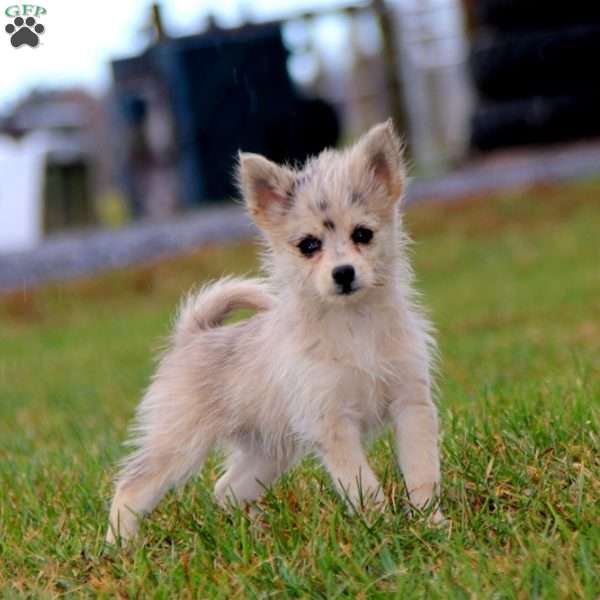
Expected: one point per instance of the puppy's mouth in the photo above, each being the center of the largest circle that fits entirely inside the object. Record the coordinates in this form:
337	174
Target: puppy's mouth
347	290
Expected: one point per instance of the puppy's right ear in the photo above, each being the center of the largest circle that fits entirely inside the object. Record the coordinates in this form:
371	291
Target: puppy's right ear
266	188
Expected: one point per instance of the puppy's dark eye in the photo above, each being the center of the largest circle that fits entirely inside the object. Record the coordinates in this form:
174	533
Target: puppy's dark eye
362	235
309	245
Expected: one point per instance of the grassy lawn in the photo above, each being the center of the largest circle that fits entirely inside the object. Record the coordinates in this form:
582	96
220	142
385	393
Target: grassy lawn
513	284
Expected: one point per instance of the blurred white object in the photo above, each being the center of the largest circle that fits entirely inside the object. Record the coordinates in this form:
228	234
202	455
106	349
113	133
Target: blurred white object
433	51
22	180
22	166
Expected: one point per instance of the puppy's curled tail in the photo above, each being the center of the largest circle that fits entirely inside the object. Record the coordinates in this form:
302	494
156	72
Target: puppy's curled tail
209	306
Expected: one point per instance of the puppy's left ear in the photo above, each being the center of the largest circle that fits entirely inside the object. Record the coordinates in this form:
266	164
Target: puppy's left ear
266	187
380	150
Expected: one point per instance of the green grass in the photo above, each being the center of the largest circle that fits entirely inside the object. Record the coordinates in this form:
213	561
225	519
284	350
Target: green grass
514	287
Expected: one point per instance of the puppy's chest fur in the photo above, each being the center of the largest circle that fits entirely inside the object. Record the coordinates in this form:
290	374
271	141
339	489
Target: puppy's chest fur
337	365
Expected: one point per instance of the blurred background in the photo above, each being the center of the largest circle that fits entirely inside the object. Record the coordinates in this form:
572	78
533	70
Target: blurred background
134	118
118	138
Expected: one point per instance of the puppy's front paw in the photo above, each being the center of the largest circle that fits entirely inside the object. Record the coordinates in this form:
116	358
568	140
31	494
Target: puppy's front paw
367	499
378	500
425	500
437	518
374	501
423	495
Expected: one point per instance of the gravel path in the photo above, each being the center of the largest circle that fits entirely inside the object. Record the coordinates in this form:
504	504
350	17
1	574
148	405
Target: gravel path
75	254
72	255
512	169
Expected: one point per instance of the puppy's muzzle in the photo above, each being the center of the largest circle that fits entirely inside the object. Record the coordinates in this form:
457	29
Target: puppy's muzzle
344	276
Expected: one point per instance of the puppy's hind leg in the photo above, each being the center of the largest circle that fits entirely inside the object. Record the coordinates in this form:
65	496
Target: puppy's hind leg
147	475
248	473
171	446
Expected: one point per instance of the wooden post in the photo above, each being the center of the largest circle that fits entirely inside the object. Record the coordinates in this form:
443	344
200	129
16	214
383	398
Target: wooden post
391	66
157	23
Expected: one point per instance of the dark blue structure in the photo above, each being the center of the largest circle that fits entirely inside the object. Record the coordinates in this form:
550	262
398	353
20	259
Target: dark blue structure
224	90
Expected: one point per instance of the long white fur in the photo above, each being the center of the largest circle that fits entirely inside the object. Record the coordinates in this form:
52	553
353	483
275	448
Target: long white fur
312	370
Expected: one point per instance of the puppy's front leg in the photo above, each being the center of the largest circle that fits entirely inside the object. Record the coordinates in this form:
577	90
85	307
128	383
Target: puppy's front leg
343	456
416	424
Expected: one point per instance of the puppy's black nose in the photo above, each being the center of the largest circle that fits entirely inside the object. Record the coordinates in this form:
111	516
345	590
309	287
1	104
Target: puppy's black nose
344	276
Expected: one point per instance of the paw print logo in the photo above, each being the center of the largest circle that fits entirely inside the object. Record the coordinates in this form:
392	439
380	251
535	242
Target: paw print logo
24	32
